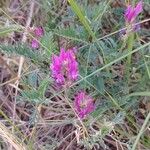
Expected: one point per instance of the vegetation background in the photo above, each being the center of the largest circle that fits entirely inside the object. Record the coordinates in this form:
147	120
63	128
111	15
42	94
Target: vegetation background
114	70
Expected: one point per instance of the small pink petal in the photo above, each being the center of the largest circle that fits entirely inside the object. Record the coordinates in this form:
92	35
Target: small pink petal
39	32
132	12
138	9
35	44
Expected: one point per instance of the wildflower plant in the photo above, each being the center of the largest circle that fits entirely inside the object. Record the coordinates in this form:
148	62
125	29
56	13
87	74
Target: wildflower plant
84	88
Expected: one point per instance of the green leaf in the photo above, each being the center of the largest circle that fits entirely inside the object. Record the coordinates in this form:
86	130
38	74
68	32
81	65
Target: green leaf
43	86
49	44
119	118
101	110
22	49
99	83
9	29
32	79
30	95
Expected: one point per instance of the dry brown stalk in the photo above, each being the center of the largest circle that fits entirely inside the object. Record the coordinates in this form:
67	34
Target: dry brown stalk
10	138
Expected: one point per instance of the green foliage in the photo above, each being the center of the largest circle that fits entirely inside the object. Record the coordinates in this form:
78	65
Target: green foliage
31	95
48	44
31	79
77	34
36	95
21	49
5	30
98	82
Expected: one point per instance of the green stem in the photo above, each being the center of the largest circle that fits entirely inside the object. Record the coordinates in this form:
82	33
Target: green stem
130	42
82	18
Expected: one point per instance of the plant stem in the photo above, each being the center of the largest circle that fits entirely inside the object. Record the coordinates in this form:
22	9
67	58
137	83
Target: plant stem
82	18
130	42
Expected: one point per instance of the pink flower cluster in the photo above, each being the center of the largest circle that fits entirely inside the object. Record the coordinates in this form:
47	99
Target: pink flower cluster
132	12
84	104
130	17
64	67
39	32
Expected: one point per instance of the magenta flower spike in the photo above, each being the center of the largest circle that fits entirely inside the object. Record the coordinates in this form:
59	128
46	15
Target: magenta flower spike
39	32
64	67
83	104
132	12
35	44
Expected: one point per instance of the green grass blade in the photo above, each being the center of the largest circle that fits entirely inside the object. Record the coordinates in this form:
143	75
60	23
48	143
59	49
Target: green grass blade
82	18
141	131
146	93
147	68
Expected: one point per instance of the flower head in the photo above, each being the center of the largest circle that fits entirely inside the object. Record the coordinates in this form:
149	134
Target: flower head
35	44
83	104
64	67
39	32
132	12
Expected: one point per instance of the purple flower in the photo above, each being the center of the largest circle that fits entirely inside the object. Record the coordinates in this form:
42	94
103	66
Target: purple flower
35	44
133	28
64	67
132	12
137	27
39	32
83	104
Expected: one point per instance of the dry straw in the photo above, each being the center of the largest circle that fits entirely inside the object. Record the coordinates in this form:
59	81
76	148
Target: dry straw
10	138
